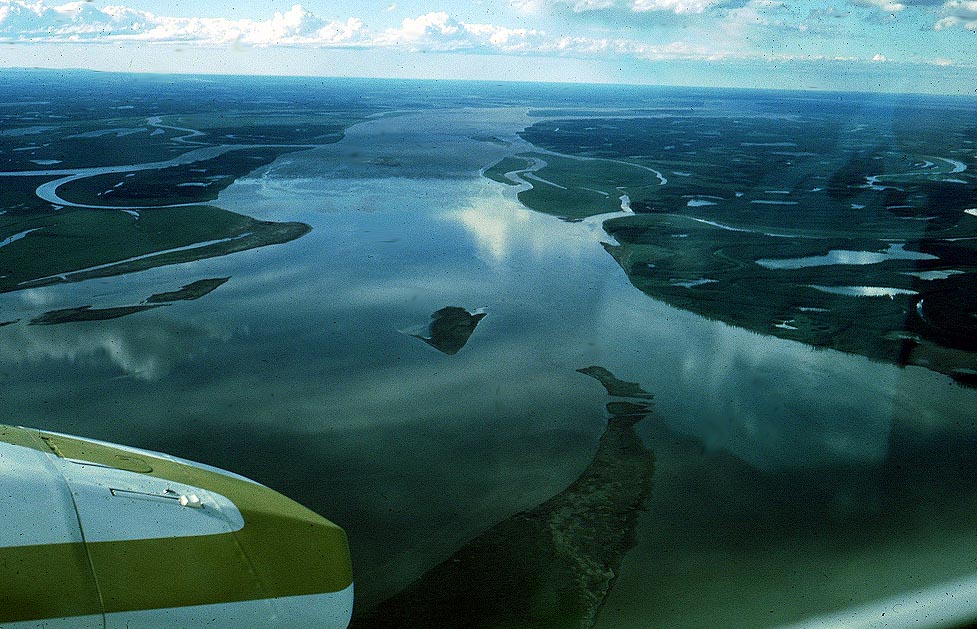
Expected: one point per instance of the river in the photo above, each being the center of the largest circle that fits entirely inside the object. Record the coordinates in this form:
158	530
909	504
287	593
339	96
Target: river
790	482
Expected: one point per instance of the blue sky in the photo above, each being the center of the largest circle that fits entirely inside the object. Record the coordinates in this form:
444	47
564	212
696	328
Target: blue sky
876	45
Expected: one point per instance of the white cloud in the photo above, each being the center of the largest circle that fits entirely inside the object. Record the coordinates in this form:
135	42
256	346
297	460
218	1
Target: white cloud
637	6
885	5
630	48
743	22
958	13
729	35
33	21
675	6
528	7
950	13
439	31
429	25
580	6
25	21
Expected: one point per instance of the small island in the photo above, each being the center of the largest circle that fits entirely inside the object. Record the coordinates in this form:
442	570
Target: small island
195	290
450	329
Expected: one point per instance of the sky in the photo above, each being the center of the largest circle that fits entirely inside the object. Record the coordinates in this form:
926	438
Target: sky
864	45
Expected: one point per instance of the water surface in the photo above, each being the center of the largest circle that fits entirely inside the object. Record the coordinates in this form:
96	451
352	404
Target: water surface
789	482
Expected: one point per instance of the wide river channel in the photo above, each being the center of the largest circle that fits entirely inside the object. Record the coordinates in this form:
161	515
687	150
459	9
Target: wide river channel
790	483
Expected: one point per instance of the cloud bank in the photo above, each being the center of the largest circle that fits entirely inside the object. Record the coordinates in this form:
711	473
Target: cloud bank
730	27
678	7
950	13
26	21
959	13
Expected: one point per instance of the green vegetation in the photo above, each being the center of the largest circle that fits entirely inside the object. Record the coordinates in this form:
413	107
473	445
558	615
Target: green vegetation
115	140
42	244
551	566
615	387
745	294
266	126
86	313
283	133
742	189
572	188
965	378
17	197
195	290
104	243
111	140
577	188
197	182
505	165
843	184
450	329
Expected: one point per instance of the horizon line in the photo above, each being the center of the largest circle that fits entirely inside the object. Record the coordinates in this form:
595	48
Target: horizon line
741	88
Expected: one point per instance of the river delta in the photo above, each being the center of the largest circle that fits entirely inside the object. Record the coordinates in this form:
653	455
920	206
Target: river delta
728	333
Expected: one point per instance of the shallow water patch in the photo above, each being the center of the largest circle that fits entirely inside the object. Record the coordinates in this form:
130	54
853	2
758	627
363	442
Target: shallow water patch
933	275
694	283
896	251
863	291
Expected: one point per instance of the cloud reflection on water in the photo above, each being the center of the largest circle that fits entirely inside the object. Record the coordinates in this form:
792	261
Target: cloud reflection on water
296	373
